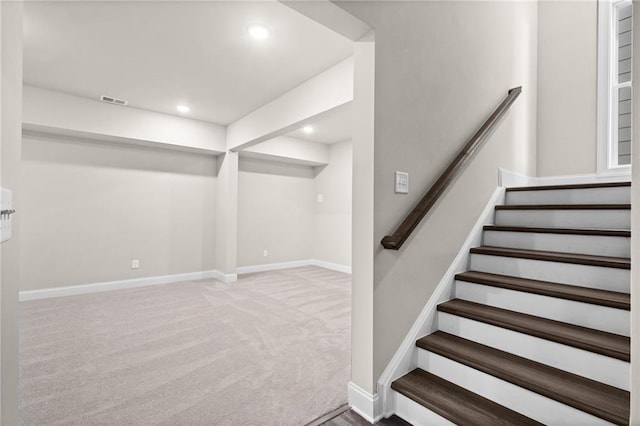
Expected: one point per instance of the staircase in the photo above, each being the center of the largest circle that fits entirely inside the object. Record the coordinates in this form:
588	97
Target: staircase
538	329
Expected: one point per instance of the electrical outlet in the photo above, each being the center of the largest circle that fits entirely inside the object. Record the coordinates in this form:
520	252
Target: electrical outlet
265	253
320	198
135	264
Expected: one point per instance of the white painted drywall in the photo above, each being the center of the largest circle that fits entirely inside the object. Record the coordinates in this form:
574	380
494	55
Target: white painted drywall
441	69
2	119
290	149
331	16
89	208
11	146
635	232
363	244
279	211
332	221
322	93
226	216
275	212
50	109
567	87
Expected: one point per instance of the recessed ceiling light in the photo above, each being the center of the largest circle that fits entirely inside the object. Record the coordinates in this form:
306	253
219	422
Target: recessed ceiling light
307	129
258	31
183	109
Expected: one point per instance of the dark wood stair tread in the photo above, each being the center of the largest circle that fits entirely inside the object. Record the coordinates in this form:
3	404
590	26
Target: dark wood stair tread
564	207
553	256
599	399
572	231
608	344
612	299
571	186
455	403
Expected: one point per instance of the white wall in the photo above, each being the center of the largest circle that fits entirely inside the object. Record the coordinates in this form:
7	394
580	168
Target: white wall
227	217
54	110
10	148
90	126
292	150
278	210
567	86
332	228
275	212
635	231
441	68
2	119
363	243
89	208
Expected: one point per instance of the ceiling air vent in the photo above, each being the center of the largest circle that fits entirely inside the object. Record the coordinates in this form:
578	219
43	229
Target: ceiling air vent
112	100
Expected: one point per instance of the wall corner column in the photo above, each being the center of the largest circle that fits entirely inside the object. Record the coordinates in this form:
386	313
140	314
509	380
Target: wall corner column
11	153
363	245
227	218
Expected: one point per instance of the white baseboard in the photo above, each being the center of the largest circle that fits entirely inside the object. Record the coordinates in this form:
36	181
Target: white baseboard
510	179
366	405
273	266
404	359
333	266
116	285
225	278
293	264
167	279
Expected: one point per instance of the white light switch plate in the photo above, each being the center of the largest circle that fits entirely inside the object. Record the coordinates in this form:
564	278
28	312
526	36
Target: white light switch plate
402	183
6	203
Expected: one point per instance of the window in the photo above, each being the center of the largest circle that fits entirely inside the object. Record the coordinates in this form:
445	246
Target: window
614	85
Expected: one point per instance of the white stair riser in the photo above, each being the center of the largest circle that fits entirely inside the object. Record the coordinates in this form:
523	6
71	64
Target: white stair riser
566	243
605	278
602	318
414	413
611	371
617	195
601	219
514	397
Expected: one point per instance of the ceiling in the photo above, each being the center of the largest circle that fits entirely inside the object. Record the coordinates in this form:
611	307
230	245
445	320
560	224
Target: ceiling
157	55
334	126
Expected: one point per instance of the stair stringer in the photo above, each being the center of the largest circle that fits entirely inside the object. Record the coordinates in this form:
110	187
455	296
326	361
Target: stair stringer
406	357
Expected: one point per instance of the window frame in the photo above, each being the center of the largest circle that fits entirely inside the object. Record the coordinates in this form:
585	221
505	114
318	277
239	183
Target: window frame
608	89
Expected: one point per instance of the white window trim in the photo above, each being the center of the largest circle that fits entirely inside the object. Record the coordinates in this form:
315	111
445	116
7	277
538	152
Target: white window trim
606	109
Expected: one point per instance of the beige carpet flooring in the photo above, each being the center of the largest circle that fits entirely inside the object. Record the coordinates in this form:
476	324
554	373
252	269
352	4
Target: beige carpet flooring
271	349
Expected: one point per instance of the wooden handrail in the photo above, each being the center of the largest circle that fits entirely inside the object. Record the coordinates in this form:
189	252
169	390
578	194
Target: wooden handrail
395	241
